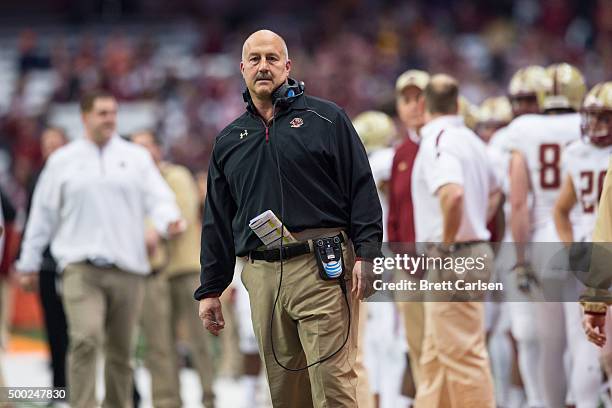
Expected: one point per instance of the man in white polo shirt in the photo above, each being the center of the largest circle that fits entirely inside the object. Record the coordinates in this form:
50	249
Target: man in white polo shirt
453	187
90	203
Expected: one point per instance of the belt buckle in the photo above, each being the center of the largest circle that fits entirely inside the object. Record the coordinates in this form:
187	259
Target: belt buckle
283	253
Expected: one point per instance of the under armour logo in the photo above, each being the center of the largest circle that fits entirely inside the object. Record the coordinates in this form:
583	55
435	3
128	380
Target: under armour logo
244	134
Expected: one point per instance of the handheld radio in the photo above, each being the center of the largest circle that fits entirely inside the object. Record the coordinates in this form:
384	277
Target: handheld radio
328	252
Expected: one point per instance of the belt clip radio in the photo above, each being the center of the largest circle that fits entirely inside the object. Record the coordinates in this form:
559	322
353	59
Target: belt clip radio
328	252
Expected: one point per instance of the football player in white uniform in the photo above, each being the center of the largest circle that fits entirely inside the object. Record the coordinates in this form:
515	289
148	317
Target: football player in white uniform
494	114
384	340
537	143
585	163
469	112
526	93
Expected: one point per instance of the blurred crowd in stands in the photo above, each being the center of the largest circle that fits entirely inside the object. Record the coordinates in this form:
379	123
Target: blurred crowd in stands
347	51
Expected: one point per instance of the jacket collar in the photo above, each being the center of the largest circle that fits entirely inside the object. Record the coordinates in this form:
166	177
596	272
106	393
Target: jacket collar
115	138
435	126
299	102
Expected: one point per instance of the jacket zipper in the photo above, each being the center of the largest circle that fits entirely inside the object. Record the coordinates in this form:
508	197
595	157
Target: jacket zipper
267	128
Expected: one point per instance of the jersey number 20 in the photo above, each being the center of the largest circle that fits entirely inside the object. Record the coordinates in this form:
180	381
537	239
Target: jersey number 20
587	179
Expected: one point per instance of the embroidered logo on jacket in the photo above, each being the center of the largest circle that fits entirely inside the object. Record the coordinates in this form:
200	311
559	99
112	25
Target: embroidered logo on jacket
244	134
296	122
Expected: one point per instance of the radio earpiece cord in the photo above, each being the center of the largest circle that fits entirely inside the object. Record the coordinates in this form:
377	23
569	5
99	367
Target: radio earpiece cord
340	280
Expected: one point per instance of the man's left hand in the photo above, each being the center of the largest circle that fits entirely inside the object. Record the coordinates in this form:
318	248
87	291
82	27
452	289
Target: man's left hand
176	228
360	280
29	281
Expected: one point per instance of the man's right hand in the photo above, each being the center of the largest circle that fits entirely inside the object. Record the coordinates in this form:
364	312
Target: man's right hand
211	315
594	325
28	281
152	240
525	277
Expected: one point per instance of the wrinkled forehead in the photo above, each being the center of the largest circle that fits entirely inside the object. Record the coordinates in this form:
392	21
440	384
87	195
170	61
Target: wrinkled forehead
264	46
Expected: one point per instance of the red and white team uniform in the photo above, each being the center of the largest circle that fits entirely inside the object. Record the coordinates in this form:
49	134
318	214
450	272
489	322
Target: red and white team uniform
587	165
543	140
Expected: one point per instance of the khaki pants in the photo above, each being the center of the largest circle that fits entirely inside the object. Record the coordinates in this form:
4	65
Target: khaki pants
414	324
310	323
455	370
168	301
102	308
364	395
229	363
184	307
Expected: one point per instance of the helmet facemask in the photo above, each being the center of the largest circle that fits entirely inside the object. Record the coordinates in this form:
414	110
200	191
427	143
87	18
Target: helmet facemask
596	126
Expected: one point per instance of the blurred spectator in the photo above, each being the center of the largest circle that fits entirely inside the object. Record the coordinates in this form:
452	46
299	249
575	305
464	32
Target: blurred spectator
9	241
53	311
348	54
29	54
167	301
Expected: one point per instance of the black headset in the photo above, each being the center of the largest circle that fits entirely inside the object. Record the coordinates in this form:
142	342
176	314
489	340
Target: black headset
287	92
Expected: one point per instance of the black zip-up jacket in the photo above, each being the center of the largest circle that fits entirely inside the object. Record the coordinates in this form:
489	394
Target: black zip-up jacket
326	179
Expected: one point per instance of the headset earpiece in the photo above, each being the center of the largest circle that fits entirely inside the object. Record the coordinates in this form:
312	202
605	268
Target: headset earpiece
285	93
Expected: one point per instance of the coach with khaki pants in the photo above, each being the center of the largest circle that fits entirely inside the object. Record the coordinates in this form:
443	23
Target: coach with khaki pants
90	203
409	88
322	314
453	186
299	157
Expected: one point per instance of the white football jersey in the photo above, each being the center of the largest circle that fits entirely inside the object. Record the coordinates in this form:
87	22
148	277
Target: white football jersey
499	153
499	149
542	139
587	165
380	162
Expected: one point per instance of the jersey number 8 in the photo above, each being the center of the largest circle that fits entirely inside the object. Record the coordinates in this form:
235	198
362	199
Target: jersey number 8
550	172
